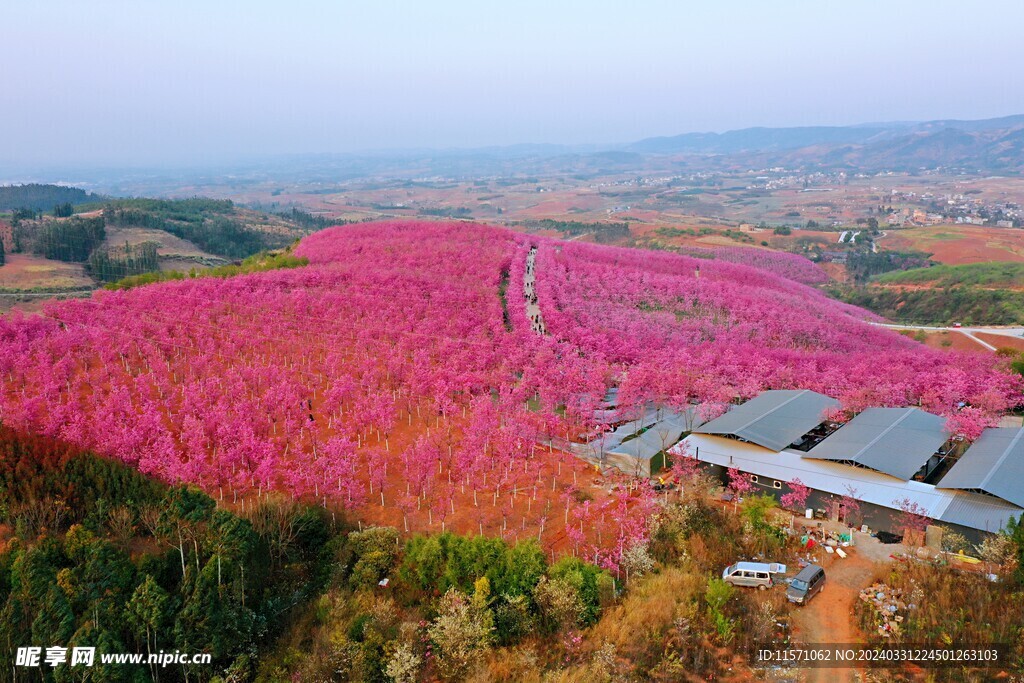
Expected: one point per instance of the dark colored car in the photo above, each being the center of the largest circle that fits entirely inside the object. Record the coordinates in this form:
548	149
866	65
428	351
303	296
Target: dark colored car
806	584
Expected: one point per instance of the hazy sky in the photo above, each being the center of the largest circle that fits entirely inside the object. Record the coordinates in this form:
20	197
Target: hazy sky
111	82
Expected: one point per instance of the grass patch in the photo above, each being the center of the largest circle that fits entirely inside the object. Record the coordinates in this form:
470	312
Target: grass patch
996	274
503	294
968	305
257	263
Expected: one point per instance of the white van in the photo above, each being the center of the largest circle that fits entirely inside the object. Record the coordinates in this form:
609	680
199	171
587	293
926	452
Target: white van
760	574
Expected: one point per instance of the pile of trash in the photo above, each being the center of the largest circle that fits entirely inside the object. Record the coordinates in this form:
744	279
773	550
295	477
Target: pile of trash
832	542
887	603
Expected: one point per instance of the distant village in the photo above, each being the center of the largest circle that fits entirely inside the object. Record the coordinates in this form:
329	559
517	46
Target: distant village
927	208
954	208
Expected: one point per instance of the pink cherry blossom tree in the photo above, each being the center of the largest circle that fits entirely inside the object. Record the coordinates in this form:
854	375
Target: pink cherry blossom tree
912	517
740	484
797	497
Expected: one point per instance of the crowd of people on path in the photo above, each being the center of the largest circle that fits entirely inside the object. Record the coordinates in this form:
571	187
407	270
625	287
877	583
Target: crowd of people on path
536	321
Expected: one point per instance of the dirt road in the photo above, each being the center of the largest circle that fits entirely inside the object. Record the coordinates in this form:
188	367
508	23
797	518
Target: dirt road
530	292
829	617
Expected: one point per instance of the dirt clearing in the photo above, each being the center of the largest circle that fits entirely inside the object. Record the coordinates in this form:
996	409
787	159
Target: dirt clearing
28	272
829	617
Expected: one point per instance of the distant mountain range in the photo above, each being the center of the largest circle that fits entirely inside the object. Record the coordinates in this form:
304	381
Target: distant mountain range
984	146
990	145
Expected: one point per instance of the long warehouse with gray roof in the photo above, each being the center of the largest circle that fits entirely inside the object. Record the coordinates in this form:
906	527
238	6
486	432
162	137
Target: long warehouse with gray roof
993	465
887	458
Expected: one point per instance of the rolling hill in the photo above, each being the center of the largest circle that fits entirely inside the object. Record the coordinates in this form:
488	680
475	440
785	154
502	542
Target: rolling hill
997	274
397	381
972	294
39	197
408	343
990	145
112	239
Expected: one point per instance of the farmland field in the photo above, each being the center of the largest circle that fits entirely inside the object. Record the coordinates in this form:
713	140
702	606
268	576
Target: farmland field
28	272
398	377
172	250
959	244
950	340
998	275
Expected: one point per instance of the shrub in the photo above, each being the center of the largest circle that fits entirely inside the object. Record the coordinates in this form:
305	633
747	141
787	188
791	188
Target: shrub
755	509
374	551
560	605
953	541
513	619
718	594
404	664
997	549
637	561
437	563
462	631
593	586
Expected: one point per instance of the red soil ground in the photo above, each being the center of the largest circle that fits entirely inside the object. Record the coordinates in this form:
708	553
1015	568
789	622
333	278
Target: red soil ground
828	618
561	207
958	244
835	271
1002	341
950	341
532	510
25	271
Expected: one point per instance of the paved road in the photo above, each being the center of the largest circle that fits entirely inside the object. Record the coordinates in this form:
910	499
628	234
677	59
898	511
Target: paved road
1007	331
969	332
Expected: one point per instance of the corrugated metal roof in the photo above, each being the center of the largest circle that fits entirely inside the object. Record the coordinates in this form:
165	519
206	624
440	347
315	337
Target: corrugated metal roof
993	464
664	428
978	511
664	433
955	507
773	419
687	420
643	447
895	441
656	439
632	423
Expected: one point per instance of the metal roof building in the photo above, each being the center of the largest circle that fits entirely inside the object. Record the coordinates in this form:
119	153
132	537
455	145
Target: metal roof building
978	511
673	423
658	438
894	441
969	510
773	419
638	457
994	464
639	454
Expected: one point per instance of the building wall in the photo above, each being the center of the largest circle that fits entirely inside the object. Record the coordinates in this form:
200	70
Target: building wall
658	463
877	517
